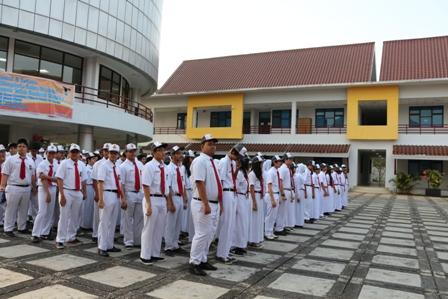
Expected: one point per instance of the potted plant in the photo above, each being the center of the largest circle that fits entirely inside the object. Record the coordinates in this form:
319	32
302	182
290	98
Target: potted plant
434	178
404	182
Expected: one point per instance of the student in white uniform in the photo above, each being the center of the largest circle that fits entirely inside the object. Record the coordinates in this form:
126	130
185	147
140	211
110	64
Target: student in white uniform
323	188
331	190
272	197
205	206
228	173
71	176
283	223
46	194
178	195
337	183
12	149
60	156
256	196
346	185
2	193
131	174
317	201
96	213
110	199
88	203
18	180
299	183
310	192
242	217
187	221
155	204
37	159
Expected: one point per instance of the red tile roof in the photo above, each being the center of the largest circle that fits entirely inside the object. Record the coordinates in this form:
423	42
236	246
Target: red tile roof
423	58
426	150
324	65
275	148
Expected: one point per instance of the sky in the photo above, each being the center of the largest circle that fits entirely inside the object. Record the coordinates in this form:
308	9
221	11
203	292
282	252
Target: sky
193	29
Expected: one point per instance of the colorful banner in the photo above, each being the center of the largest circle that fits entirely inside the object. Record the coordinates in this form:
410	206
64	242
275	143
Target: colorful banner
36	95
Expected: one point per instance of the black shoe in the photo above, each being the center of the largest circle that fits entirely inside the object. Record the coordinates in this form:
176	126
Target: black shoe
94	239
47	237
146	262
114	249
169	252
74	241
207	266
10	234
180	250
129	247
227	261
157	258
196	270
60	245
24	231
103	253
35	239
299	226
280	233
237	251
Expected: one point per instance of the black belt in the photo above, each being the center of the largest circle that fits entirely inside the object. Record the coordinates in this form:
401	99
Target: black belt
133	191
71	189
157	195
288	189
212	201
110	190
189	189
276	192
228	189
257	192
308	185
177	194
24	186
241	193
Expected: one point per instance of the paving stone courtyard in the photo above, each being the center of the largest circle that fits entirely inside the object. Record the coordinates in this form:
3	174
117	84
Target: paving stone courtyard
382	246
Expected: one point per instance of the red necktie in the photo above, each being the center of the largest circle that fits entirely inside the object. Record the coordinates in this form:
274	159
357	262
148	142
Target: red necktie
278	179
162	179
117	183
137	177
77	178
233	176
50	174
179	182
293	186
218	182
262	187
22	169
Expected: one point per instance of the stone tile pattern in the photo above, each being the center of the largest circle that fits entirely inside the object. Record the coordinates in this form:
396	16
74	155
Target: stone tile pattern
381	246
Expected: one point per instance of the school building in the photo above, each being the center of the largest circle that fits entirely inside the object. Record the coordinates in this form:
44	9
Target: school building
75	71
319	103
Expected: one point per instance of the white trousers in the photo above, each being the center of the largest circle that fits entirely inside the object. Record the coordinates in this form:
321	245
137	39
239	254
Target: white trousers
96	219
173	224
316	204
87	208
108	220
56	209
256	226
242	220
329	201
33	207
338	198
17	201
205	229
132	220
44	219
282	213
290	209
321	202
190	224
345	197
69	216
308	203
153	228
299	208
226	223
271	214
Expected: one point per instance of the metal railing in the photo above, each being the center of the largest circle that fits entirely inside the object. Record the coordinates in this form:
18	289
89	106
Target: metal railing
86	94
407	129
169	131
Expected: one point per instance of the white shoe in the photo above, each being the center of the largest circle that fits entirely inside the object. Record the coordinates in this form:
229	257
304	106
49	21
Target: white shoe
270	237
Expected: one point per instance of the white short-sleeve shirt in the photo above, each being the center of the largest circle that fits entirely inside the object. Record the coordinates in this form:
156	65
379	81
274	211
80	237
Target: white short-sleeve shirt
12	166
66	172
272	178
202	170
254	181
127	169
285	175
97	164
44	168
225	171
173	176
151	177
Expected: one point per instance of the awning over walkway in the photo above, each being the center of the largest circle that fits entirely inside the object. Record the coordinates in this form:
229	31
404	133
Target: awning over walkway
420	152
308	150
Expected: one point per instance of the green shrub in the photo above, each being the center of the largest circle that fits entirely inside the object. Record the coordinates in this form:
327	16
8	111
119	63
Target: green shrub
404	182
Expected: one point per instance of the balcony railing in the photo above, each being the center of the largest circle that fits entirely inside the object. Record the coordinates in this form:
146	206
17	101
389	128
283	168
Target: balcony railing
169	131
300	129
86	94
406	129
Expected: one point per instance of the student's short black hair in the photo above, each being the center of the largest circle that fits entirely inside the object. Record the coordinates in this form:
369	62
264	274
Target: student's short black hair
12	144
22	141
35	145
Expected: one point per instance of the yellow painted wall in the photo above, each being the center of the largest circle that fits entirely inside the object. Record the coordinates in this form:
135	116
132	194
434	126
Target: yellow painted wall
357	94
236	101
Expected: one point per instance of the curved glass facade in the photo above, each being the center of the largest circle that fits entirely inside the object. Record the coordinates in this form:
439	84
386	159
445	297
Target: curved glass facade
125	29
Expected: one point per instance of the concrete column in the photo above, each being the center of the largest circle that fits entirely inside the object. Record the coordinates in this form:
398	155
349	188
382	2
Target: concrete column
293	117
253	118
10	56
91	72
86	137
